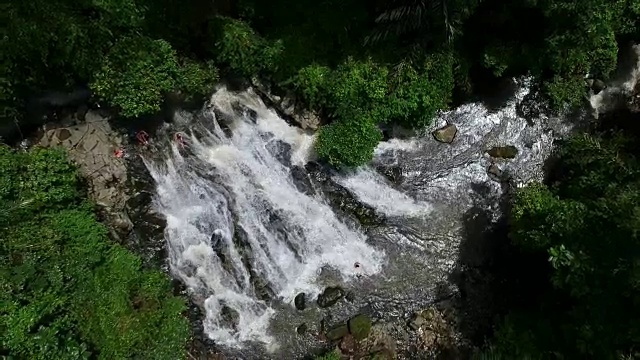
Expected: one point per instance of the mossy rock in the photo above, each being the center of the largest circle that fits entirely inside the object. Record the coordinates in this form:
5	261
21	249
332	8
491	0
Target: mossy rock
360	326
338	332
504	152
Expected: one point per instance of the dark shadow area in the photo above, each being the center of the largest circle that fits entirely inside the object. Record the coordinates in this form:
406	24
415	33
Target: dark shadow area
620	120
44	107
493	276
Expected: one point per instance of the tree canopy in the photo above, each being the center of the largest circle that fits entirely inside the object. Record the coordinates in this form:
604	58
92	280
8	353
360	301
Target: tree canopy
417	53
586	220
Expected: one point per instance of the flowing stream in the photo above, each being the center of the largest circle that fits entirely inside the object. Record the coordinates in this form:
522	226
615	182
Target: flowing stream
246	232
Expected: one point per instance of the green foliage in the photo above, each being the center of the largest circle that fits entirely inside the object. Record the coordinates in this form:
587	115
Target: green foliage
349	142
67	292
417	94
136	74
312	82
426	22
360	326
587	223
360	94
197	79
333	355
357	87
243	51
559	52
355	95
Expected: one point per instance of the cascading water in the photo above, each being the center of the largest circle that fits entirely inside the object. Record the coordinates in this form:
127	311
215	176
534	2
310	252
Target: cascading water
246	238
238	230
443	175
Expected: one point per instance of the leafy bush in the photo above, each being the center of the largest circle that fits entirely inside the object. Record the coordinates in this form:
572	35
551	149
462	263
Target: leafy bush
362	94
349	142
136	74
66	291
312	83
197	79
417	94
244	51
357	87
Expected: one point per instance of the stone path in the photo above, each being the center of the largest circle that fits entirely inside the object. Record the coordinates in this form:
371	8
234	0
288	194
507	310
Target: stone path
91	145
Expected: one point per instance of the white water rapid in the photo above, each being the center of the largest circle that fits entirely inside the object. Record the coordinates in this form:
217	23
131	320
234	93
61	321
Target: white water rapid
618	90
239	231
242	232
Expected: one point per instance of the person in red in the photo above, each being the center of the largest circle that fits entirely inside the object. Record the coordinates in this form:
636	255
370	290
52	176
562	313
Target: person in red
179	139
143	137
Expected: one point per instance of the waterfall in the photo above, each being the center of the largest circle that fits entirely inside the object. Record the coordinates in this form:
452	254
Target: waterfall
246	238
618	90
239	232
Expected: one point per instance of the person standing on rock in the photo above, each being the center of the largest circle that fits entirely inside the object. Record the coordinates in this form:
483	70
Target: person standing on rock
143	137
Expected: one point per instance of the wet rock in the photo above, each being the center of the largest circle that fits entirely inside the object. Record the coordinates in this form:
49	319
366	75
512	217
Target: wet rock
432	329
503	152
91	145
245	111
230	317
596	85
338	332
316	171
429	338
350	297
446	134
301	180
330	296
287	106
495	173
262	288
417	321
348	345
281	150
64	134
359	326
342	199
137	203
81	112
380	343
393	174
384	354
633	102
302	329
533	106
300	301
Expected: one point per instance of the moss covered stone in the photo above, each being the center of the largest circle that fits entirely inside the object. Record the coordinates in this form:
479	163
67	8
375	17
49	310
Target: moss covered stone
338	332
360	326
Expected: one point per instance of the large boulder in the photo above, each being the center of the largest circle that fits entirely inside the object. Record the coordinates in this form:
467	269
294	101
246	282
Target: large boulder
300	301
330	296
503	152
446	134
337	332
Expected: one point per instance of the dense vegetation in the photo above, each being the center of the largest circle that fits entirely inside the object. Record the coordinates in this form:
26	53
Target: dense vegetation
67	292
583	225
360	63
